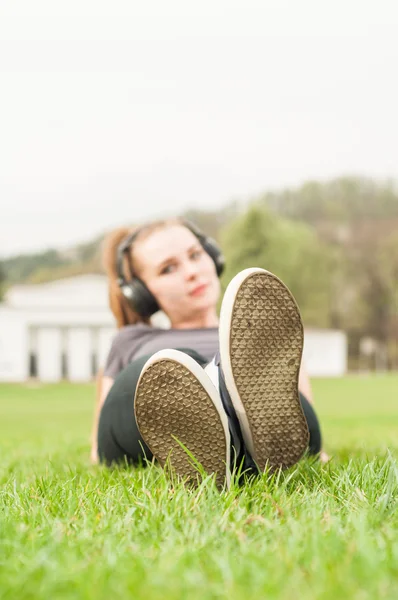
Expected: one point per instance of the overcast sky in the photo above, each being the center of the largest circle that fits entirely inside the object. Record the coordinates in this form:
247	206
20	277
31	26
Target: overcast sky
117	111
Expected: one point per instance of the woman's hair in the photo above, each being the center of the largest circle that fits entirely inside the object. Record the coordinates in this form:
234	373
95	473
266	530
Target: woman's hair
122	310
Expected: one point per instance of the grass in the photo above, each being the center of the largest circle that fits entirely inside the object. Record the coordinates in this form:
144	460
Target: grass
70	530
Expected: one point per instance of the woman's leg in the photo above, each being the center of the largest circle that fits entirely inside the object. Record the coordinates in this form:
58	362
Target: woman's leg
119	439
314	428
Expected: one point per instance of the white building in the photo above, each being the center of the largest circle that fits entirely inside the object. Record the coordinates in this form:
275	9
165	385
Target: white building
63	330
56	330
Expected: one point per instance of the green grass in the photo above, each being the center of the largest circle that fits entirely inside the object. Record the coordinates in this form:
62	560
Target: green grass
70	530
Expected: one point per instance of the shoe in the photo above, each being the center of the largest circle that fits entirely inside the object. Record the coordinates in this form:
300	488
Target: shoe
261	344
177	408
240	462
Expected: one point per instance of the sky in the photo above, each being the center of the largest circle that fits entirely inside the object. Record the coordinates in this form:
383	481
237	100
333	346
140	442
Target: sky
112	113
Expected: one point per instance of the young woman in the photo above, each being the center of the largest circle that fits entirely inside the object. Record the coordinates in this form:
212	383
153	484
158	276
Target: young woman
223	390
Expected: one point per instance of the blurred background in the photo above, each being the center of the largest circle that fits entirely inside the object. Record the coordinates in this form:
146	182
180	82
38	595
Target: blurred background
272	125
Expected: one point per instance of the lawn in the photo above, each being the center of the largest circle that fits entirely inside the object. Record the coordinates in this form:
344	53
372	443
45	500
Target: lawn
70	530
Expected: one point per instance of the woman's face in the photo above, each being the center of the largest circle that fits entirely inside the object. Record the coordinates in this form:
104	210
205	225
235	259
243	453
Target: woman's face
179	273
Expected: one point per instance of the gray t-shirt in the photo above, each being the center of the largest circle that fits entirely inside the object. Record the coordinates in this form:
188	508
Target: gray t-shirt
134	341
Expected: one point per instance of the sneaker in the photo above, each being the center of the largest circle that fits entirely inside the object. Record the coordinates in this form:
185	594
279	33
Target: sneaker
261	344
240	461
177	408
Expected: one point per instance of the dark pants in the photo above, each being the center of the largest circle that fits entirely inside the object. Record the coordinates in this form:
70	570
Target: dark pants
118	437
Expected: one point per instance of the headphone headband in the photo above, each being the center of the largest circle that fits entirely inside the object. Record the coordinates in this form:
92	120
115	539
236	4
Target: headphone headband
123	248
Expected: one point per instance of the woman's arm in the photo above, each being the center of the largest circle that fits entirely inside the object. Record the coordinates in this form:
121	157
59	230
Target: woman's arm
103	385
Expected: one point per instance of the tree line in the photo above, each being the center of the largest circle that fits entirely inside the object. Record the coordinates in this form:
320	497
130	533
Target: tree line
334	243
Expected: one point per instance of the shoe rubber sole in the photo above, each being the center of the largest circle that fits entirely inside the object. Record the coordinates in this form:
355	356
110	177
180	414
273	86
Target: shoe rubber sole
261	344
176	400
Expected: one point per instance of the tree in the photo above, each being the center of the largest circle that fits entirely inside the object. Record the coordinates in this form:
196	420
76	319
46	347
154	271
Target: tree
345	200
2	282
355	217
387	261
290	250
212	222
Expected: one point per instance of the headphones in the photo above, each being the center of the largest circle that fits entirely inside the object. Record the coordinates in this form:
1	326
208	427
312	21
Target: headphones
136	292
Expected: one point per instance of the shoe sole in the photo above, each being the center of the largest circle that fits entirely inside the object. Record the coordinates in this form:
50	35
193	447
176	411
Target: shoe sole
176	400
261	344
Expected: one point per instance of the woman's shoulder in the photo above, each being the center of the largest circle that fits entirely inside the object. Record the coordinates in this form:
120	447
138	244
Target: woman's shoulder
143	331
133	332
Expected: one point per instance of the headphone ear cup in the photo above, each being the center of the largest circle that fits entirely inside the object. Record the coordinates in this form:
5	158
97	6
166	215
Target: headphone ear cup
140	298
215	253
